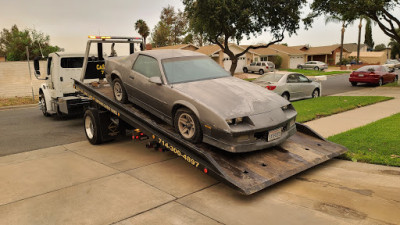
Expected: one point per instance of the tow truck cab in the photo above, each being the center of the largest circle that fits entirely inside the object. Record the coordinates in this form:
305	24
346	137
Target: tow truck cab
57	95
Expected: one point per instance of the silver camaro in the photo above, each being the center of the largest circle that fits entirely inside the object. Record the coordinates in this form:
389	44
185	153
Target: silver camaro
291	86
201	100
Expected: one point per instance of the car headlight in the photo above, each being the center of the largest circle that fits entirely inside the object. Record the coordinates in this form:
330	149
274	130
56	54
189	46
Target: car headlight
286	107
234	121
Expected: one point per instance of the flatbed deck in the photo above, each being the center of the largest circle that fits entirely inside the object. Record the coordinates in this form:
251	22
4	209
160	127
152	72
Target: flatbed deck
246	172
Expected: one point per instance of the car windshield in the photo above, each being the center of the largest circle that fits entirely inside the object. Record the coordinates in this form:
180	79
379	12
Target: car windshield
269	78
368	68
188	69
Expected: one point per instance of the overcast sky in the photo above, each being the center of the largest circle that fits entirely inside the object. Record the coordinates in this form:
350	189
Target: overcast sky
70	22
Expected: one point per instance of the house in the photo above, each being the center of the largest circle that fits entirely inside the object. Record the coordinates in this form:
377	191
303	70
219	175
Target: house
291	57
329	54
215	52
376	58
352	47
181	46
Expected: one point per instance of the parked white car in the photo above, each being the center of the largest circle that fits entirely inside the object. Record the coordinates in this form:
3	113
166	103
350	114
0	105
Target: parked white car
392	64
260	67
291	86
314	65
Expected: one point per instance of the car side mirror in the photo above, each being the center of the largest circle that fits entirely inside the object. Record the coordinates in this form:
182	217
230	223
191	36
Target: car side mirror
155	80
309	81
36	66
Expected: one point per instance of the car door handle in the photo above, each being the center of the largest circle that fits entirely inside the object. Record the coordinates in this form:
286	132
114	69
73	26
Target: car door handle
131	77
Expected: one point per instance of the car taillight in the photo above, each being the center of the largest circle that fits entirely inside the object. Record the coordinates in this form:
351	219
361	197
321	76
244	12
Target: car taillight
270	87
266	67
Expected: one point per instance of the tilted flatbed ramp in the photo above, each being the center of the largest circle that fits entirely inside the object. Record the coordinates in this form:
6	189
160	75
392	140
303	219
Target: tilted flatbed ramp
247	172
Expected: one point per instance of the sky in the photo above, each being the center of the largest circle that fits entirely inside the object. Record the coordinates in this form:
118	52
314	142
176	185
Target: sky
70	22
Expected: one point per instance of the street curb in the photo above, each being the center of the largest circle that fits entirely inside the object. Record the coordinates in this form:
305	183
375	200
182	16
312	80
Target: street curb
18	106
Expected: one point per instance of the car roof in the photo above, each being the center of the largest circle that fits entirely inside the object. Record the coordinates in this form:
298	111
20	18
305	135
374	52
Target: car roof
170	53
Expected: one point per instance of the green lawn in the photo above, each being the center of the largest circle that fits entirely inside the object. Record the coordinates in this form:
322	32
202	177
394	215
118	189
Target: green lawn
315	73
393	84
376	143
324	106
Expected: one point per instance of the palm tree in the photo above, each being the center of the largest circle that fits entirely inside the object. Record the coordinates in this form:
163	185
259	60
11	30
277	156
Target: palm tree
345	23
143	30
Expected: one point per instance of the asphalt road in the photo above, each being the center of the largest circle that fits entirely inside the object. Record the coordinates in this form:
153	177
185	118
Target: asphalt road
27	129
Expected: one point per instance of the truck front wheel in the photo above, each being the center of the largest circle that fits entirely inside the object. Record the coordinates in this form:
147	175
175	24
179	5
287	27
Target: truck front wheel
92	127
43	105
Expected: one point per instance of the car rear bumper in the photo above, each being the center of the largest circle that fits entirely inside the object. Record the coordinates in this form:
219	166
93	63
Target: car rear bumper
372	80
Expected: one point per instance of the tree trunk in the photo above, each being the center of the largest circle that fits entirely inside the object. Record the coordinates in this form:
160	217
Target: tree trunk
341	45
234	65
359	40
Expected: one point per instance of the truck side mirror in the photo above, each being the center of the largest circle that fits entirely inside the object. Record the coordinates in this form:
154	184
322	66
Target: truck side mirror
36	66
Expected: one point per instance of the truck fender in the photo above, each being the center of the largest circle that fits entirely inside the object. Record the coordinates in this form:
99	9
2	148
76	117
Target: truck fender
46	92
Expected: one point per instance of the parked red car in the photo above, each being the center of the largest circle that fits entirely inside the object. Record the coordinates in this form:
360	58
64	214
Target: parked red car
372	74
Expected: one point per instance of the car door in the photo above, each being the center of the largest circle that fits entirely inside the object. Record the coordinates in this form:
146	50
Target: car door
148	94
292	81
251	67
305	86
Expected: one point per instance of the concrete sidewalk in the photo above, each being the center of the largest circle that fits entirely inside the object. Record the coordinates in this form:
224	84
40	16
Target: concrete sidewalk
125	183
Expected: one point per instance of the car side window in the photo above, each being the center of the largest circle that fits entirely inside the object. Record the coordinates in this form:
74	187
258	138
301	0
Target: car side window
263	64
302	78
147	66
258	64
292	78
252	64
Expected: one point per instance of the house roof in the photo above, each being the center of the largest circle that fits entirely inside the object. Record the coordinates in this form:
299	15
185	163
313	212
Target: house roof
273	49
320	50
209	49
352	47
368	54
175	46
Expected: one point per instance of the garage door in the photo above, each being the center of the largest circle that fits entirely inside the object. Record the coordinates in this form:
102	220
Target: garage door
239	68
295	60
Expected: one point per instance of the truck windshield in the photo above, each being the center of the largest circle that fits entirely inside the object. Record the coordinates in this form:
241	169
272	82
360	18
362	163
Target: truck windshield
188	69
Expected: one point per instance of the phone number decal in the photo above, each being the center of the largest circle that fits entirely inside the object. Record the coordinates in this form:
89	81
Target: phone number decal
178	152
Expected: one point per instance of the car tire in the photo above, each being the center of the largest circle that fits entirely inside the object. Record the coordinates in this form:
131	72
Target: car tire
380	82
92	127
245	70
261	72
119	91
353	84
42	100
396	79
286	96
316	68
299	67
315	93
187	125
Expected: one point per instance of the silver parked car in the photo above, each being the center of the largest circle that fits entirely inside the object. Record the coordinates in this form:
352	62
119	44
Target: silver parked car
203	102
260	67
291	86
314	65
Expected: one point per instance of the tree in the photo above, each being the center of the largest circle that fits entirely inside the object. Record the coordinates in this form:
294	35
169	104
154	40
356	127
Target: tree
345	22
395	47
380	47
230	19
160	35
13	43
368	35
142	29
380	11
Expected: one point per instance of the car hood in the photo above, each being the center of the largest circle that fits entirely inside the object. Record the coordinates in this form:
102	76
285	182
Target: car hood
232	97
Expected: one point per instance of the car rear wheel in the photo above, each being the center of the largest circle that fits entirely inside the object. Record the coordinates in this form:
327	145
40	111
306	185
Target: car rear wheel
245	70
396	78
187	125
119	91
286	96
300	67
380	82
315	93
353	83
316	68
261	72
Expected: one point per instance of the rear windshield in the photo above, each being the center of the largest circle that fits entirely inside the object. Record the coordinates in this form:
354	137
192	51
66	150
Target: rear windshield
73	62
269	78
369	68
188	69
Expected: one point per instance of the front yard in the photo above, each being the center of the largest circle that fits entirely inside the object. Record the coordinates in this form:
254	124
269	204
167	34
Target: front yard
18	101
315	72
376	143
315	108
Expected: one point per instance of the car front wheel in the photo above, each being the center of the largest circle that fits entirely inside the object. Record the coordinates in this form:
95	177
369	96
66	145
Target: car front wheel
261	72
315	93
245	70
43	105
187	125
286	96
316	68
380	82
299	67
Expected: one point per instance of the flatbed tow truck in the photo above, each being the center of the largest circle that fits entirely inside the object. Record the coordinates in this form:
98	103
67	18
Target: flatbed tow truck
247	172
